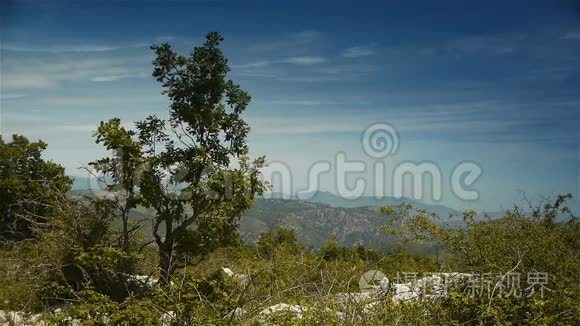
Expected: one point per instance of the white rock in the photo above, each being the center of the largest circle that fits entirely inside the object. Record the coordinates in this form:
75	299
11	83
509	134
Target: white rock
11	317
404	292
237	313
145	280
242	279
431	286
72	322
370	307
296	310
228	271
167	318
356	297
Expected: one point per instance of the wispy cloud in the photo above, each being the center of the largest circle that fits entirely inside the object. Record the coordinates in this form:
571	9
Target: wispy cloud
12	96
102	101
257	64
358	51
300	125
289	41
110	78
307	36
76	101
298	60
300	102
79	48
476	122
83	48
311	71
41	130
26	80
305	60
572	36
493	44
49	71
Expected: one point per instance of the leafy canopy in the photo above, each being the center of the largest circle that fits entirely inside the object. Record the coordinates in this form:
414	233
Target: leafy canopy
192	170
29	187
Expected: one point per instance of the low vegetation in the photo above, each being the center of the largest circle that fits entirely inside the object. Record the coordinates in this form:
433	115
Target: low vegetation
79	267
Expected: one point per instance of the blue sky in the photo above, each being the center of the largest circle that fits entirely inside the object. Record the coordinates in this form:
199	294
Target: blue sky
491	83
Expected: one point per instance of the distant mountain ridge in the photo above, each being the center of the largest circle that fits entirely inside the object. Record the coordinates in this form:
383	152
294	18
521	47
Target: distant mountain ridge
318	216
333	200
314	222
323	197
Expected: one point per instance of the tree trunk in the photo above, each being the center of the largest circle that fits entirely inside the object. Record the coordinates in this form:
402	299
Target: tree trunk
165	253
126	264
125	244
165	250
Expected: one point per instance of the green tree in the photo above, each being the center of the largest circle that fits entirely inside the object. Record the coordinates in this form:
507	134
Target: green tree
123	170
269	241
330	249
29	187
192	170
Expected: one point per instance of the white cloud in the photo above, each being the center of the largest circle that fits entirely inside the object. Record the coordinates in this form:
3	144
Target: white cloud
110	78
81	128
306	60
572	36
165	38
299	60
307	36
105	78
79	101
27	80
474	122
288	41
296	102
309	102
257	64
72	48
497	44
12	96
43	130
76	101
51	70
301	125
358	51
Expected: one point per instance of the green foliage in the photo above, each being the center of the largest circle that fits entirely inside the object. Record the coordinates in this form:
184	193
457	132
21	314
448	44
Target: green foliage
29	188
269	241
400	261
387	210
183	168
77	252
48	268
123	168
202	294
331	250
543	240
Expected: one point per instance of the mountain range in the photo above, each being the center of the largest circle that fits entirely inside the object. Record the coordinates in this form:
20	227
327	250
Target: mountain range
314	216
